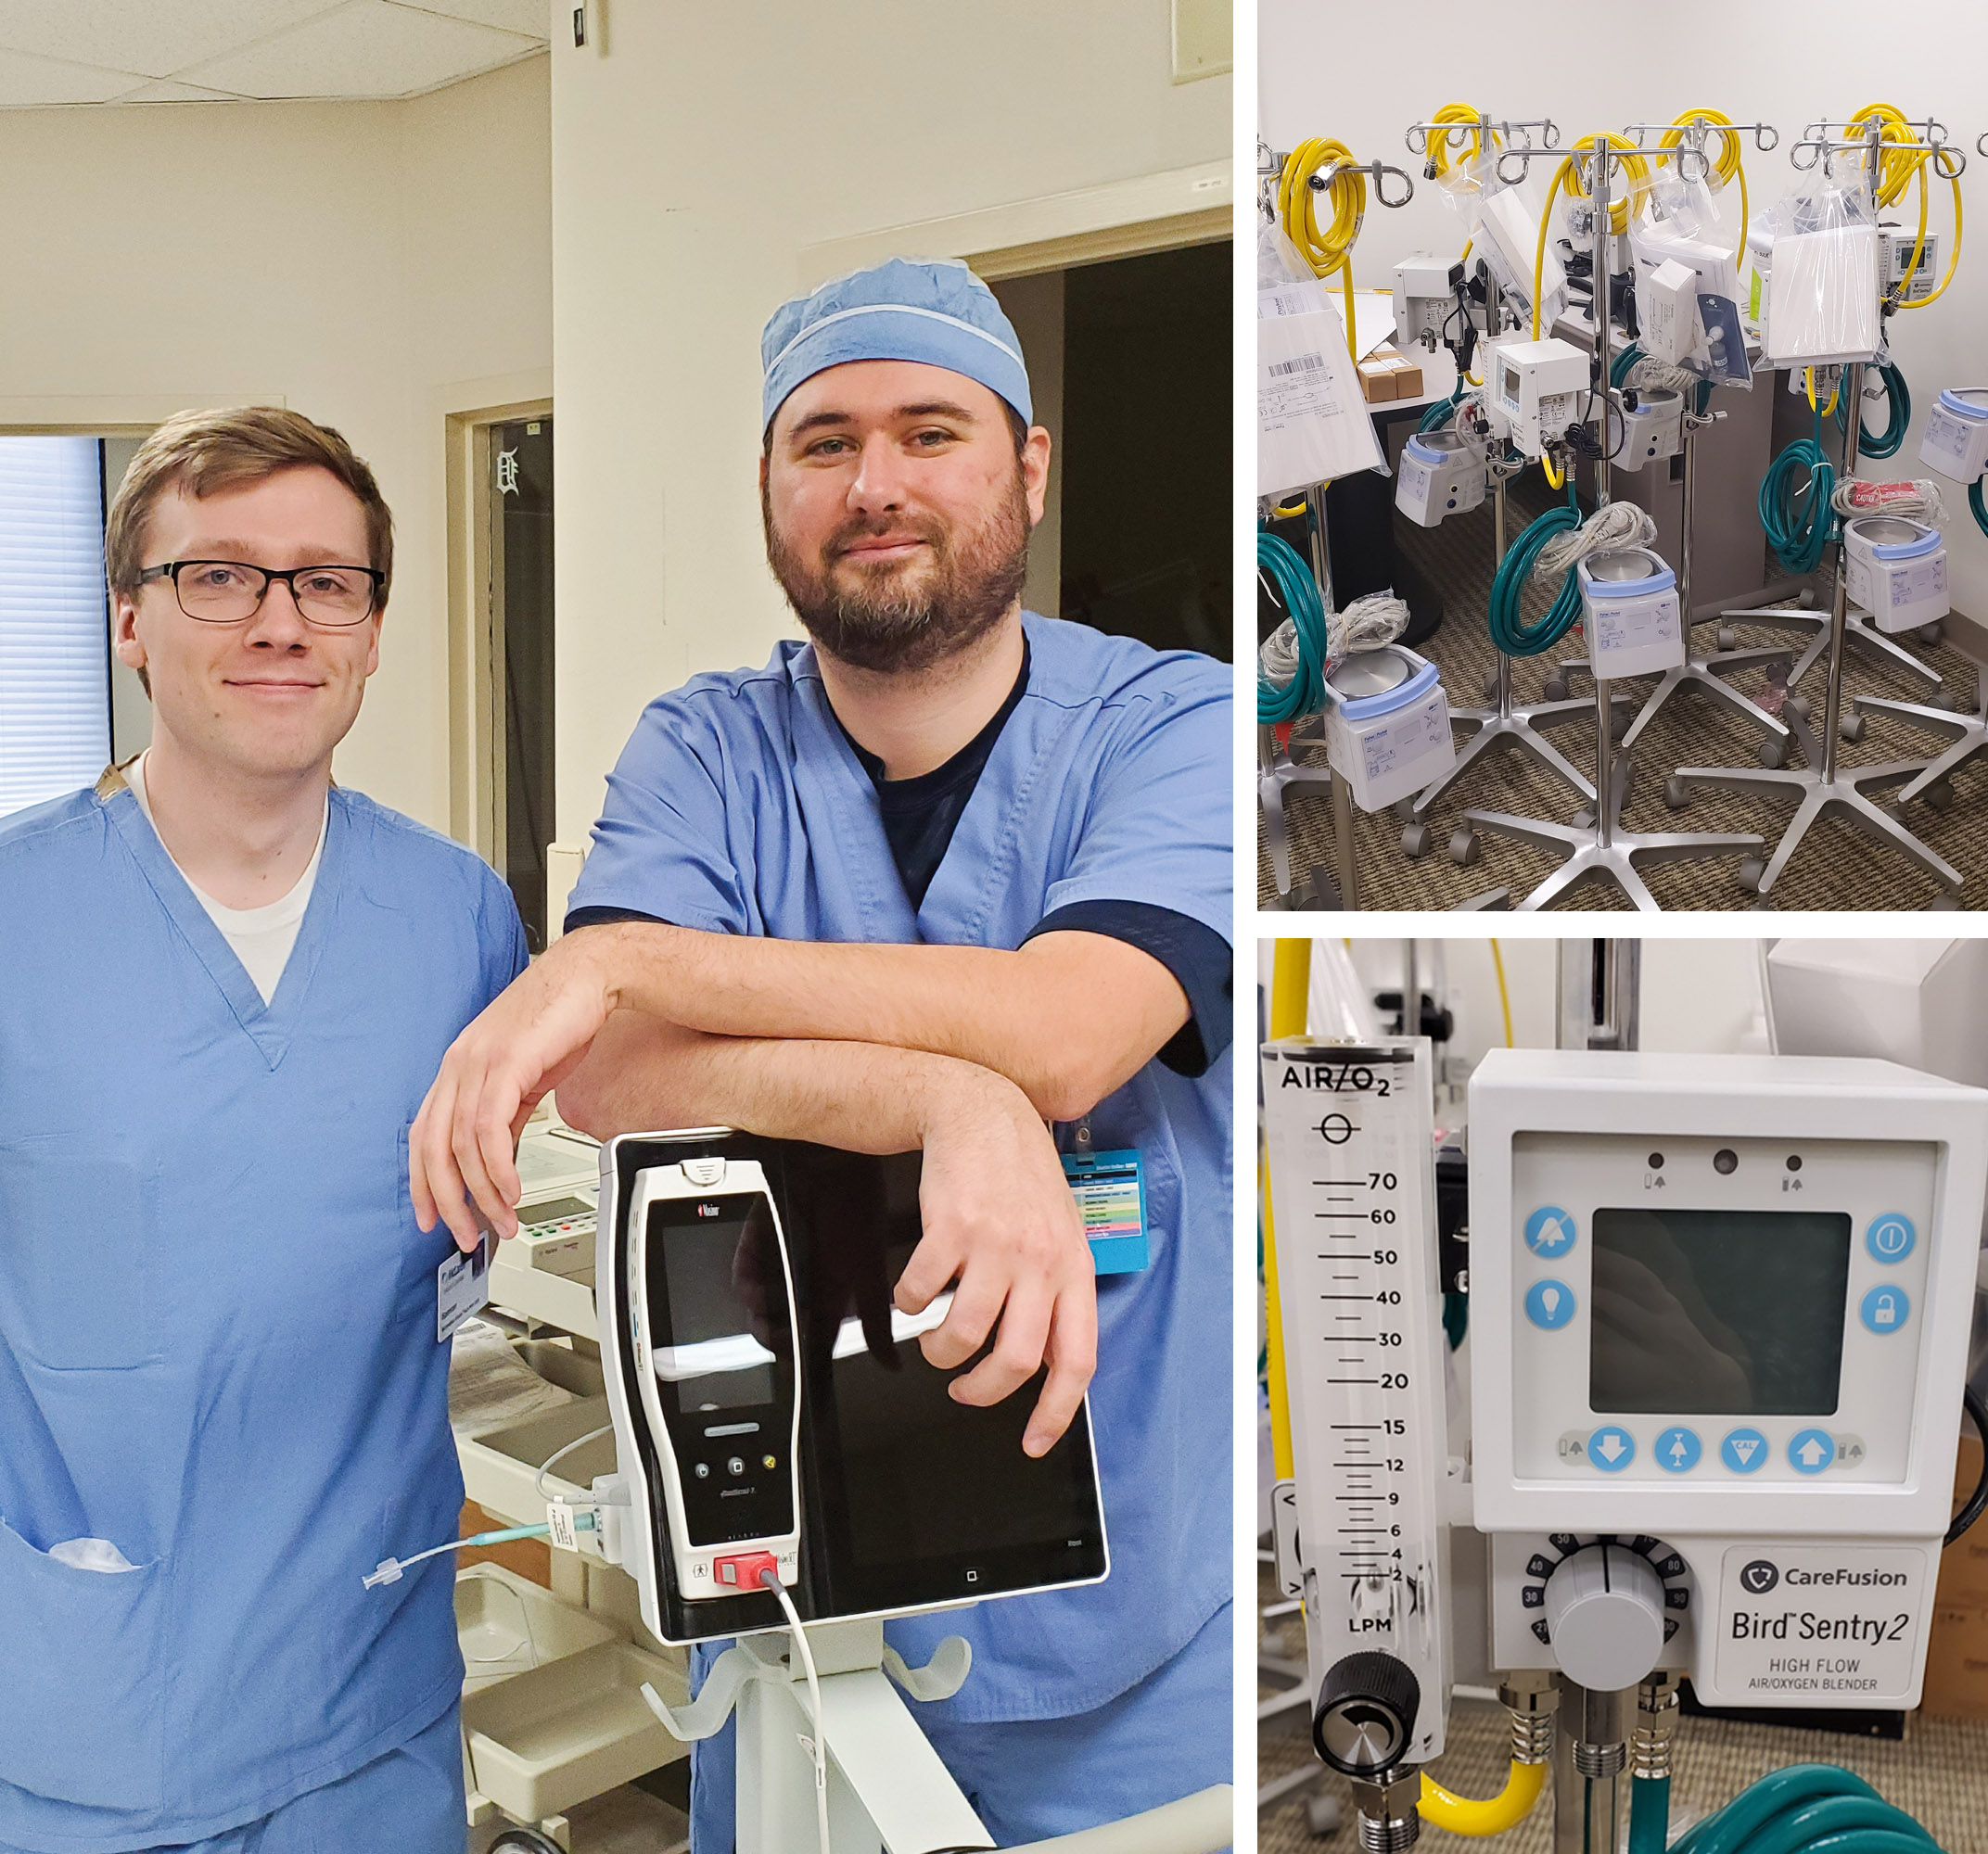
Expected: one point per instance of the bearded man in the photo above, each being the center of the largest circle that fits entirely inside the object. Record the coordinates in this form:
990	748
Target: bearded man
950	877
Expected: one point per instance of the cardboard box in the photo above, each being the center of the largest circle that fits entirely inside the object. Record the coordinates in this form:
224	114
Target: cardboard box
1385	374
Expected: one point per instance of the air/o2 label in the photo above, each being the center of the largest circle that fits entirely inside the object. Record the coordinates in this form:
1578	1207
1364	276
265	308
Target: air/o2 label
1818	1624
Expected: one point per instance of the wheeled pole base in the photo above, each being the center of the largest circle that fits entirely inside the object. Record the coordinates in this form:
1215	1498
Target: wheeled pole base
1277	773
1816	796
1969	735
1614	856
1518	729
1858	631
1706	673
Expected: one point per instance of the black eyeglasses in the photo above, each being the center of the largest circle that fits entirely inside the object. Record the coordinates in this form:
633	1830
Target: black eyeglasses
229	591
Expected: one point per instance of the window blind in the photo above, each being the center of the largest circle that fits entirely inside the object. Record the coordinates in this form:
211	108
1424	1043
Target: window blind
55	694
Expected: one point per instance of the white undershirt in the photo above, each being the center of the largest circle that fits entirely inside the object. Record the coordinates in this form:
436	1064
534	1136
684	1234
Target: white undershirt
261	937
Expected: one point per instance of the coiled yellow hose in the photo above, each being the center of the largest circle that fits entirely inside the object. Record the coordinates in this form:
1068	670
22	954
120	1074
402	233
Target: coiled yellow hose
1897	169
1461	1815
1442	157
1331	249
1728	166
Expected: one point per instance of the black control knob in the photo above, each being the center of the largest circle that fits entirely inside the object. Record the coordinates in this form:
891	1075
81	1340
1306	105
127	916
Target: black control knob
1366	1714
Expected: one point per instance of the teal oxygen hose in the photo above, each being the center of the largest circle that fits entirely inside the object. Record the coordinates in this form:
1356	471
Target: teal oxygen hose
1440	412
1297	592
1509	629
1976	505
1799	520
1898	396
1806	1808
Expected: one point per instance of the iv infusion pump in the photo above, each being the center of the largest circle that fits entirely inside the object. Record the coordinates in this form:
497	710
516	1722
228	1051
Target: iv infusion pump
1719	1318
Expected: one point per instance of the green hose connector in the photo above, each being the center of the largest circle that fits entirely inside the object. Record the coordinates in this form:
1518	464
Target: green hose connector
1509	629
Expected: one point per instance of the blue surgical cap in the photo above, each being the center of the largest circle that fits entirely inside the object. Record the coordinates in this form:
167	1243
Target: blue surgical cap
933	310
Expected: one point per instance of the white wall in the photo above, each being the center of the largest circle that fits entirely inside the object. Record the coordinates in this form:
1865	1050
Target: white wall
1782	61
385	250
690	176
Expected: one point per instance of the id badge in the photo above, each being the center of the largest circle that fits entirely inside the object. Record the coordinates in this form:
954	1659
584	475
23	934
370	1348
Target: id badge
462	1288
1111	1194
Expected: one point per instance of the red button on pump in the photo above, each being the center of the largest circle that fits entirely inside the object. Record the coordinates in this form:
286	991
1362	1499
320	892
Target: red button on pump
742	1571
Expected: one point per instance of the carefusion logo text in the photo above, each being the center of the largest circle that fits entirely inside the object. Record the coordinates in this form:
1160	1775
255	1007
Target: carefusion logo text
1843	1575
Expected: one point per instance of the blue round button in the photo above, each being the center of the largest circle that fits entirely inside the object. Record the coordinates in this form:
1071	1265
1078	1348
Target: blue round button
1885	1310
1611	1450
1889	1237
1549	1304
1549	1231
1743	1450
1678	1451
1811	1450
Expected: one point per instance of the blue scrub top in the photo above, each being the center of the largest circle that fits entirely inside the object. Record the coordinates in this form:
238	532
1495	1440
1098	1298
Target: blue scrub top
739	806
217	1322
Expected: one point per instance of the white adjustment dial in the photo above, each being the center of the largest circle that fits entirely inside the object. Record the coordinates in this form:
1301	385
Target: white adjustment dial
1605	1617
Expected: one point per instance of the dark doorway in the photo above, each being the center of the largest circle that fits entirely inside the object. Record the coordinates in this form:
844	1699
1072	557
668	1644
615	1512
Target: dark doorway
521	466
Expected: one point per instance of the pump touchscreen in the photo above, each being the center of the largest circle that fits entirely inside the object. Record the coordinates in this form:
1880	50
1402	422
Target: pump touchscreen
1718	1313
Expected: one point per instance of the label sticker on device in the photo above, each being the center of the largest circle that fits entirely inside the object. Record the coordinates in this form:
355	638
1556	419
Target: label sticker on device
1111	1196
462	1288
1806	1625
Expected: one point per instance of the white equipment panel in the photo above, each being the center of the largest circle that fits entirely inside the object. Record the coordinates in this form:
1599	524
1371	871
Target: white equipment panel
1353	1192
1720	1308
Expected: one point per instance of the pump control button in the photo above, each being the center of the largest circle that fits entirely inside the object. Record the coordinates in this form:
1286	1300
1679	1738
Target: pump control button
1678	1451
735	1467
1884	1310
741	1571
1549	1231
1811	1450
1611	1450
1743	1451
1889	1237
1549	1304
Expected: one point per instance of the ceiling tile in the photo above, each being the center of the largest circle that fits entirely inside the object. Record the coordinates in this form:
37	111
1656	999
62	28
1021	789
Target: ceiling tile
365	48
165	91
532	17
151	38
28	81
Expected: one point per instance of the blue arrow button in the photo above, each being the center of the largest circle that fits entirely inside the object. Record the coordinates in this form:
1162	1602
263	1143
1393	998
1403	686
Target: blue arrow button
1811	1450
1743	1450
1611	1450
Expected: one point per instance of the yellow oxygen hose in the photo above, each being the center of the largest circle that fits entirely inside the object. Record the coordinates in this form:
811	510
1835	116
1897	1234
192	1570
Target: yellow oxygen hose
1290	989
1461	1815
1727	166
1897	169
1442	157
1331	249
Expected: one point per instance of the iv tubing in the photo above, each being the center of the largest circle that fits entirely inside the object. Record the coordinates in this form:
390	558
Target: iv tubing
769	1579
1290	989
1461	1815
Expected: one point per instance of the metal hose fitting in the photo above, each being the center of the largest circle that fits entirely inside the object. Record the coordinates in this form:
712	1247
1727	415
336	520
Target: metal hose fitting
1531	1702
1599	1761
1389	1823
1656	1724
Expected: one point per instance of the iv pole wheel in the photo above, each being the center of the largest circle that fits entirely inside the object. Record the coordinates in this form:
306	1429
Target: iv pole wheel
1676	793
523	1841
1939	794
1931	633
1619	719
1728	637
1405	809
1772	752
1465	846
1750	871
1851	727
1489	685
1555	689
1415	841
1800	705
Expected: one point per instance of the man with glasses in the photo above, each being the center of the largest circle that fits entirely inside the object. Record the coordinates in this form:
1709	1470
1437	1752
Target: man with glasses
223	1399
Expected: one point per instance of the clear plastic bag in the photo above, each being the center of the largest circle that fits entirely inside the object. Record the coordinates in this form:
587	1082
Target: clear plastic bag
1505	233
1814	275
1694	224
1312	423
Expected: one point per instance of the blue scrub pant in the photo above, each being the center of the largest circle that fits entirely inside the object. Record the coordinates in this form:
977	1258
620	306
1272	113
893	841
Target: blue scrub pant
409	1801
1168	1737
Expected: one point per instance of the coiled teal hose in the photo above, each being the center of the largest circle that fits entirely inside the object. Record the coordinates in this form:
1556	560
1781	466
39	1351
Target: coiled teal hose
1509	631
1297	592
1800	522
1806	1808
1976	505
1899	396
1439	413
1650	1815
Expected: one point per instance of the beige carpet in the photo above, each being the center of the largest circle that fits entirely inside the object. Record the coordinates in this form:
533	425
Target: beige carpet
1937	1775
1837	867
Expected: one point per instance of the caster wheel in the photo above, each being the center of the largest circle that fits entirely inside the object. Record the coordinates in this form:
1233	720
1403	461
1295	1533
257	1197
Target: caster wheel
1555	689
1321	1815
1584	819
1931	633
1761	904
1945	698
1465	848
1772	753
1750	871
1851	727
1944	900
1619	722
1405	810
523	1841
1939	794
1728	637
1415	841
1805	597
1800	704
1489	686
1676	793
